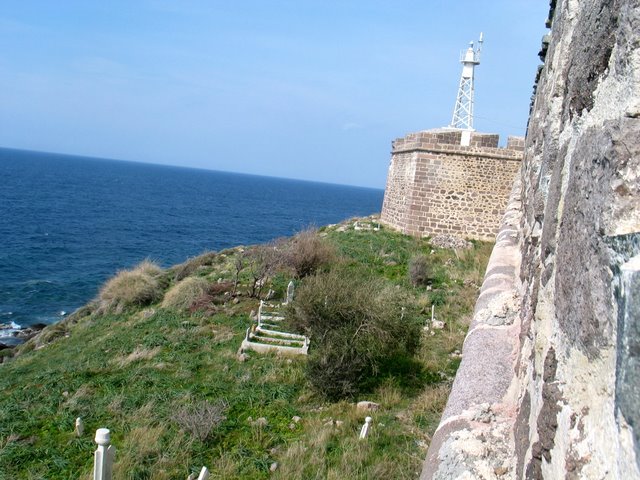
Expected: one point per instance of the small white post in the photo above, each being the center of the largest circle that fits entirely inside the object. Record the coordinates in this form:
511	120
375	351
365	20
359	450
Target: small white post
433	311
290	289
79	430
365	428
260	314
104	455
204	474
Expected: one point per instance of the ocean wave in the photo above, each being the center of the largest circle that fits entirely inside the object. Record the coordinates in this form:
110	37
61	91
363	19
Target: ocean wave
38	282
8	329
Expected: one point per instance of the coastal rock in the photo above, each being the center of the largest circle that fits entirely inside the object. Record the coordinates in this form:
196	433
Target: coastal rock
437	325
243	357
15	336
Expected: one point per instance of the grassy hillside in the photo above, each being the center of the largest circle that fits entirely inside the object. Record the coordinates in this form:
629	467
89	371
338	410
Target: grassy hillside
162	373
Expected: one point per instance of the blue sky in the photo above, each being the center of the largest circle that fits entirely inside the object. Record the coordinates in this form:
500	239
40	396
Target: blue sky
306	89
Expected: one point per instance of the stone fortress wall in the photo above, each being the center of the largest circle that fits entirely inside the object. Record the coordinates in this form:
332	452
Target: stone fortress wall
549	383
436	186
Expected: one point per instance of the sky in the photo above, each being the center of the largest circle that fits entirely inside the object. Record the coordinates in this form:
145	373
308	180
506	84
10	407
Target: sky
306	89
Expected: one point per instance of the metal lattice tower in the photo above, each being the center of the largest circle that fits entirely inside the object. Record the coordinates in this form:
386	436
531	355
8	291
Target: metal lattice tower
463	111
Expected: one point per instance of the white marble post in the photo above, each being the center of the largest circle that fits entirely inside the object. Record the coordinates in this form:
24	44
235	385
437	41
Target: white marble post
104	455
204	474
365	428
79	430
290	290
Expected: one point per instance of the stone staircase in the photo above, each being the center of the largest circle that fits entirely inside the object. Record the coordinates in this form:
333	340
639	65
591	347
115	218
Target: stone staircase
268	335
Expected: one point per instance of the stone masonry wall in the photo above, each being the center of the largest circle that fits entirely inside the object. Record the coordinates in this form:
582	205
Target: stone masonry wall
579	388
436	186
549	384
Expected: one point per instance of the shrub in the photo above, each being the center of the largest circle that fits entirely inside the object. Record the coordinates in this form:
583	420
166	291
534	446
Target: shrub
184	293
420	270
357	325
307	253
136	287
216	294
262	262
438	297
199	419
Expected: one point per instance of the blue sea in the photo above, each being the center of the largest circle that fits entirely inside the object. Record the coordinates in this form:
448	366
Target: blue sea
68	223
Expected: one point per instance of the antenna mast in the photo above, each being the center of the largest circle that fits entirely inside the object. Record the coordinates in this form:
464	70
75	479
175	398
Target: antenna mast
463	111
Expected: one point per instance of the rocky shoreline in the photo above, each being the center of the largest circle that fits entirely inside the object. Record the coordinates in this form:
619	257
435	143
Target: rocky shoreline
11	337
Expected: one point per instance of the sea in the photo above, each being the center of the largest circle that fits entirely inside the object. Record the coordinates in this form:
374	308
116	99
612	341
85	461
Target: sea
68	223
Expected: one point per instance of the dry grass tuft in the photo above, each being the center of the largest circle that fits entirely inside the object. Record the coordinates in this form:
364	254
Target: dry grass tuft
432	399
184	293
389	395
136	287
221	333
148	267
140	444
139	353
78	396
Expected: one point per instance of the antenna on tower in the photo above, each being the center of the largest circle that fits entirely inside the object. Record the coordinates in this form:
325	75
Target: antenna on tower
463	111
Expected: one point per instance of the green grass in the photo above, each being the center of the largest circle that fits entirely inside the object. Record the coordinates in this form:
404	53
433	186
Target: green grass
131	372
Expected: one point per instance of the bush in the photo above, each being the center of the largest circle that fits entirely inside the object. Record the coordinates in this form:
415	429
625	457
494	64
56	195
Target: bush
420	270
199	419
357	326
184	293
136	287
307	253
262	262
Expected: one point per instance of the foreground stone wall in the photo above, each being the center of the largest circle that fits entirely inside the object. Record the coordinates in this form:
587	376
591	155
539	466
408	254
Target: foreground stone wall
436	186
552	389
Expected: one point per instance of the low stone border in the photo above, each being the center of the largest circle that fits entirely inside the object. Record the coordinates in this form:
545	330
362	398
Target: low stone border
480	412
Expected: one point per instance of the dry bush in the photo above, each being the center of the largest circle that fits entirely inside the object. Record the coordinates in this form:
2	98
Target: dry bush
220	289
262	262
136	287
216	294
184	293
308	252
201	418
420	270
